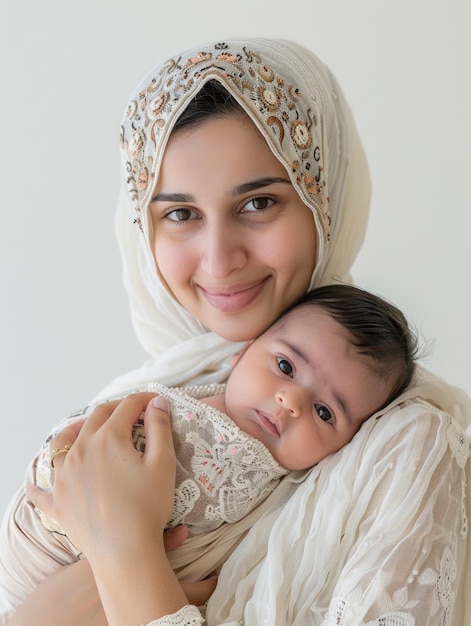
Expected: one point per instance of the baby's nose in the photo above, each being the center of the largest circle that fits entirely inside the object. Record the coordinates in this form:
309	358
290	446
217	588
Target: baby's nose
291	399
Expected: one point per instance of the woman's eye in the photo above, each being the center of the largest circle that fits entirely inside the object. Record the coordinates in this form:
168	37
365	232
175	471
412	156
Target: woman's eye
182	214
285	366
323	412
260	203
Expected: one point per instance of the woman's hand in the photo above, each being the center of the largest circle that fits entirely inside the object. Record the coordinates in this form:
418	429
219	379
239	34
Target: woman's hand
105	491
114	502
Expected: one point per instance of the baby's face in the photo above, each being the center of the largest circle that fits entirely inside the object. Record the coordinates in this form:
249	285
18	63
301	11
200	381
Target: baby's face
302	389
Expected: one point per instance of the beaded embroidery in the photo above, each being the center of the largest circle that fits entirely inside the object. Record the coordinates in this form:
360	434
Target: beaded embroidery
280	110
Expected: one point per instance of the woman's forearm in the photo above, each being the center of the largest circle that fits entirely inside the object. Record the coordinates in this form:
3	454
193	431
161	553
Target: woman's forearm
142	587
69	596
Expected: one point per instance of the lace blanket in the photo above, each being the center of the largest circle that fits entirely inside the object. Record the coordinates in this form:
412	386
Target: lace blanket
222	473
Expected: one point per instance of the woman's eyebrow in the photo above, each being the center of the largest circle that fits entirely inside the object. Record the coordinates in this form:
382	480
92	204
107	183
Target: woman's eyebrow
258	184
163	196
172	197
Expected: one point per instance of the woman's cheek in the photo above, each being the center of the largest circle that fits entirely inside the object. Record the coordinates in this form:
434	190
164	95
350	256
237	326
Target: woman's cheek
174	264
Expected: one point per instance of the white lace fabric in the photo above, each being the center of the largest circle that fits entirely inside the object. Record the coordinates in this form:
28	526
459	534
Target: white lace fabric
186	616
222	473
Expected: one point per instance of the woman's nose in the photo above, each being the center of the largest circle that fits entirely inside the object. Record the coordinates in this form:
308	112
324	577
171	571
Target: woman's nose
223	251
291	399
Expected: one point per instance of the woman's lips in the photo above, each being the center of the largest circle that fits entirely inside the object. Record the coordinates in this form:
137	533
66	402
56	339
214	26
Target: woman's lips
268	424
233	299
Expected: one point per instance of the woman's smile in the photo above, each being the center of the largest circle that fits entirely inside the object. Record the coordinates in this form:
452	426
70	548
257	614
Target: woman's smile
233	299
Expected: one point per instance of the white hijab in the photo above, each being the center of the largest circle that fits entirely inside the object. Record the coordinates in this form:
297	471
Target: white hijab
299	108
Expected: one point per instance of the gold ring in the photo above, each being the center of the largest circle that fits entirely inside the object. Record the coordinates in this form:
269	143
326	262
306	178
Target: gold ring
56	451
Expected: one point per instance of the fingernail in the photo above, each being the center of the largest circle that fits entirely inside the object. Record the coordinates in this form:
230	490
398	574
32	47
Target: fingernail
176	529
160	403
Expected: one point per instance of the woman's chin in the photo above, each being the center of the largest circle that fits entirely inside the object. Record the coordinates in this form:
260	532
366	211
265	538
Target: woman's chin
238	328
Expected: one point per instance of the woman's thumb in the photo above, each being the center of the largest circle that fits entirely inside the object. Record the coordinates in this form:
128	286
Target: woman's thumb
159	402
159	441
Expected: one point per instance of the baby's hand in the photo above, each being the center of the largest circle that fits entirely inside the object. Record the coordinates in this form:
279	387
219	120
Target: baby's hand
198	593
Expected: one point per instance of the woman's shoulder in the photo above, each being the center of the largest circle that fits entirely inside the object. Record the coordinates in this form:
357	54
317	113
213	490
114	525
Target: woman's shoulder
432	400
415	426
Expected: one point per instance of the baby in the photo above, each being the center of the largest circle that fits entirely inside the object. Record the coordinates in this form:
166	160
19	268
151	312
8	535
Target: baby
296	394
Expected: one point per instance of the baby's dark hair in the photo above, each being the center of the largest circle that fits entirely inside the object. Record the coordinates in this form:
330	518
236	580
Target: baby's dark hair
378	330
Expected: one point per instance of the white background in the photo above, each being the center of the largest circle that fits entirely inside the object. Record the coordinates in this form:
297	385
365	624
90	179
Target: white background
66	71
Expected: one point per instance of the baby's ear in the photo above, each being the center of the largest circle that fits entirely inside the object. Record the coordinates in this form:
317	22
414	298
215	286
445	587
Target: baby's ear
240	352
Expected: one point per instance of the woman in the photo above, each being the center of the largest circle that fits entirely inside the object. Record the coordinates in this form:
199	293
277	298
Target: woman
234	218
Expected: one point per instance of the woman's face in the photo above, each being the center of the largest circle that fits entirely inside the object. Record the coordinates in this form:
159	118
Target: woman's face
233	241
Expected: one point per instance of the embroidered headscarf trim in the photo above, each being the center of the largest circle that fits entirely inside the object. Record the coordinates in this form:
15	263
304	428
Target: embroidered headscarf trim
289	119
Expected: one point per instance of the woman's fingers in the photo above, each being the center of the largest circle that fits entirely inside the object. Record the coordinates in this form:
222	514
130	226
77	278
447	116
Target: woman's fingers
100	415
42	500
60	445
103	477
159	441
119	414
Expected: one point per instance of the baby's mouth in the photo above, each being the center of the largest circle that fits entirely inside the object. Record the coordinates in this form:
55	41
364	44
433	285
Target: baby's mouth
268	422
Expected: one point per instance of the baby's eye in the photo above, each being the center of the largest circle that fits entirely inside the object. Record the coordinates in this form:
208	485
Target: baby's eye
285	366
183	214
323	412
260	203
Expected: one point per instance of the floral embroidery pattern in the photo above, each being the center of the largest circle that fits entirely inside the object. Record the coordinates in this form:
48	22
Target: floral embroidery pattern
288	118
394	619
222	473
443	582
343	611
458	443
460	448
186	494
